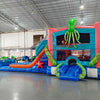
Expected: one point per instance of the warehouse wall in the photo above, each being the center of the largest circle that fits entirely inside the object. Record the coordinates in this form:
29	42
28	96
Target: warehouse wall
13	40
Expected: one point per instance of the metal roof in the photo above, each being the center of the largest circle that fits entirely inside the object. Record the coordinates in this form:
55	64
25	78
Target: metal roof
38	14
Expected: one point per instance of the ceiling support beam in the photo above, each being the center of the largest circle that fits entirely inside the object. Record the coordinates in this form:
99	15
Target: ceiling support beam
4	17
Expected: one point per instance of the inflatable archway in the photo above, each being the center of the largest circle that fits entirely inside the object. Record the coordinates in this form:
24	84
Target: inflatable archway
72	57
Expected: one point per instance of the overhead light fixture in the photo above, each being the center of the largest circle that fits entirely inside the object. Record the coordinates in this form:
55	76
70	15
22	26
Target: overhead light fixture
16	19
81	7
81	22
16	28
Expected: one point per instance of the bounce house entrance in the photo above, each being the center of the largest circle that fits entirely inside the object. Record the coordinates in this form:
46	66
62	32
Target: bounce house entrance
72	62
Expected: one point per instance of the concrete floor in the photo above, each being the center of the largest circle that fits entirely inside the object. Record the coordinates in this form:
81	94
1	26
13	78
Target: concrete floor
32	86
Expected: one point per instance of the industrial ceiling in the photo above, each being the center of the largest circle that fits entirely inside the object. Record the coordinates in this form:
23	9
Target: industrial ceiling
39	14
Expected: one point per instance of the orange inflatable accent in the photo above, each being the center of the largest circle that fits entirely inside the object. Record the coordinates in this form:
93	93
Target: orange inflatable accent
29	65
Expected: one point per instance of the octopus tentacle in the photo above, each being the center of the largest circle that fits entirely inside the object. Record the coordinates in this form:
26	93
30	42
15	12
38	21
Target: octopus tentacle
73	39
69	40
77	34
66	37
77	38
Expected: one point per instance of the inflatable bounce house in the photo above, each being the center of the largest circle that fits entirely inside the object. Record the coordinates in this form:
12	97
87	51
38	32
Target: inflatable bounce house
70	53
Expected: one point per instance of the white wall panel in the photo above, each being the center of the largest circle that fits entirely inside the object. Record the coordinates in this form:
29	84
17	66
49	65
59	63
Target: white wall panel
16	40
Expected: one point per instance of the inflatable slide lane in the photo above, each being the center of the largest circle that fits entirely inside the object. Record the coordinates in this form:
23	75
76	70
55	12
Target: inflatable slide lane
40	51
29	65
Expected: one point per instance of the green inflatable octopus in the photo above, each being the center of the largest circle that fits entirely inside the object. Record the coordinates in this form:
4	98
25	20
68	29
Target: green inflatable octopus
71	33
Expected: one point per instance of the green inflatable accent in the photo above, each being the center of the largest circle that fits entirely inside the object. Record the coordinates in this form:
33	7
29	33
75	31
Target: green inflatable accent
52	61
50	56
13	57
71	33
83	74
4	58
56	70
95	60
32	57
